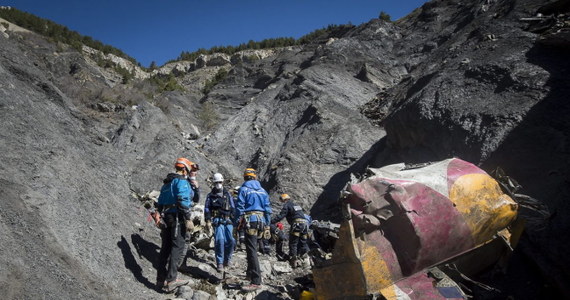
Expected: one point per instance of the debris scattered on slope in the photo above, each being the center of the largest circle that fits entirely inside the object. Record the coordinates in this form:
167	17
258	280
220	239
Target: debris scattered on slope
553	23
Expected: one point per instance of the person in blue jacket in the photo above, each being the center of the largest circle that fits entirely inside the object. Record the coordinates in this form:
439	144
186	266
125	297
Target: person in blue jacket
174	204
219	212
254	212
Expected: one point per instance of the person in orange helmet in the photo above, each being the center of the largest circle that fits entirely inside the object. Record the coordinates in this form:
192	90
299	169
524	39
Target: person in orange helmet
174	205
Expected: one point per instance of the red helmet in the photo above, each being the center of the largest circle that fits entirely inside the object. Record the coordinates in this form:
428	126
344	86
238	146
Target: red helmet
279	225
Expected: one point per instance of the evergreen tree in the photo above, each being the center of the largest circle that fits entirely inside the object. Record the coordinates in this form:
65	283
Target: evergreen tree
385	16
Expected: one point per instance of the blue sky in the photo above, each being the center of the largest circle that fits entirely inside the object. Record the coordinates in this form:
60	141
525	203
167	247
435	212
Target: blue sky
151	30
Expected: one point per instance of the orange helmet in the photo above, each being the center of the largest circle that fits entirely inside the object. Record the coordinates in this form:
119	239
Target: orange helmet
250	172
185	163
284	197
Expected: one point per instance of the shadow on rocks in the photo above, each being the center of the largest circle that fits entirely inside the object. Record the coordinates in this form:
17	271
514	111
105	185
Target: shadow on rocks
537	154
203	271
327	206
146	249
267	295
131	263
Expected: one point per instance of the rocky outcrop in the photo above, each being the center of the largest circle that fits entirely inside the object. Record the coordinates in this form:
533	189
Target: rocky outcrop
118	61
6	26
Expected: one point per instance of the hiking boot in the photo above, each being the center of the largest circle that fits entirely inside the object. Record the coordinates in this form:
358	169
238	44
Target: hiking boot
250	288
171	286
220	268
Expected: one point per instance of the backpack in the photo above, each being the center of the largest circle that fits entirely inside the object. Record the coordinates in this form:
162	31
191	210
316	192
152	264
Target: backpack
221	203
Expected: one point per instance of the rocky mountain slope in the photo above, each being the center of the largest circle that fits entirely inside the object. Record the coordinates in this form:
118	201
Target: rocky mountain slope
486	81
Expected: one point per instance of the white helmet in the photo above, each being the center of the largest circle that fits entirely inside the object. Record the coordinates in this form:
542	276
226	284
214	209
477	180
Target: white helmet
218	178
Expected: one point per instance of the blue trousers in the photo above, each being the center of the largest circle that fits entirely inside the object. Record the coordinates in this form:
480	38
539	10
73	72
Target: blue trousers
224	242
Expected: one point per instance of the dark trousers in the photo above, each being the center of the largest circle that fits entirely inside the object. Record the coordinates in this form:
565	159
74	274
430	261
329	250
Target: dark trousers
171	250
251	243
279	249
303	246
297	245
298	239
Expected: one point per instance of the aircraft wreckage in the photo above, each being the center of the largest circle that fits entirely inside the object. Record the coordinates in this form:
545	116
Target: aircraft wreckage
404	225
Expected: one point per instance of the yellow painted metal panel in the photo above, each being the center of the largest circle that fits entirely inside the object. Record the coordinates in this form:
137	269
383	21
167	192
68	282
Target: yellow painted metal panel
485	208
377	272
344	277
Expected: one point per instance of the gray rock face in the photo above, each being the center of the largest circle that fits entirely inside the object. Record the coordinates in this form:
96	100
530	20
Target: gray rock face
451	79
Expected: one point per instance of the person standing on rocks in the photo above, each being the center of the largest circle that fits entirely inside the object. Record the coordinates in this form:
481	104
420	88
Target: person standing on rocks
254	211
174	219
219	212
298	232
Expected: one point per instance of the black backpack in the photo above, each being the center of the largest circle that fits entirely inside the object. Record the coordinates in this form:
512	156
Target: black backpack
221	203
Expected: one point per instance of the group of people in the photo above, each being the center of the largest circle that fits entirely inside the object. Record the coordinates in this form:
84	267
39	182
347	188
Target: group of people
248	209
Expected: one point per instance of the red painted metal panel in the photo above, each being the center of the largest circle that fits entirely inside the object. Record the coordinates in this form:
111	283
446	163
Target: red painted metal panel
440	228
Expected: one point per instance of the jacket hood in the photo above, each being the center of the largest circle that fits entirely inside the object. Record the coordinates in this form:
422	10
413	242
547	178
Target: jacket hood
171	177
253	184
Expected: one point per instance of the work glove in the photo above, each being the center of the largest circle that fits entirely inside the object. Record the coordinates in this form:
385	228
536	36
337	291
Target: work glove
189	225
266	233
